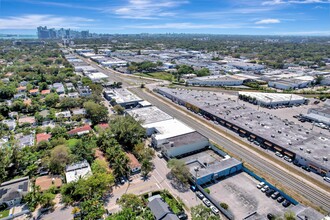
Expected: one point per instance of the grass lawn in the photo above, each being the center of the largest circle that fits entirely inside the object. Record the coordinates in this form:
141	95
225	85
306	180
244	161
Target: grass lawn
4	213
158	75
72	142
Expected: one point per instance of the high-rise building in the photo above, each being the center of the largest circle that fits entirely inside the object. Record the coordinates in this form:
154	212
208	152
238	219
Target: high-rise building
45	33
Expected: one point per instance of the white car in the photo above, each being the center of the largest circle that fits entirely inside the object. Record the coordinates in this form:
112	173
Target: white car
207	202
278	154
326	179
260	185
265	188
214	210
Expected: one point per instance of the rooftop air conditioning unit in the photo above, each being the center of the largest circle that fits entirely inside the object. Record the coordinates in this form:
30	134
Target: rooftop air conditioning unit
301	148
308	151
325	158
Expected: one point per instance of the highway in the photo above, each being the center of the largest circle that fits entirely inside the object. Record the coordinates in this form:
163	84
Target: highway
317	197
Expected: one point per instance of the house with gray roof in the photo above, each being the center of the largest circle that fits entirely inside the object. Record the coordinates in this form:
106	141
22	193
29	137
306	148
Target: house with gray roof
12	192
161	210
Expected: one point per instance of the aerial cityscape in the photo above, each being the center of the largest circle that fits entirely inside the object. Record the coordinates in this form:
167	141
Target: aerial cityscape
165	110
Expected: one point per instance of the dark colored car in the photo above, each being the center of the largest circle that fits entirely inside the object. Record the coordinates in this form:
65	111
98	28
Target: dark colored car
280	199
306	168
286	203
269	192
182	216
270	216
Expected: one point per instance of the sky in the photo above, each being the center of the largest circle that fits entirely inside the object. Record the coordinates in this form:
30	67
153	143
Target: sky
247	17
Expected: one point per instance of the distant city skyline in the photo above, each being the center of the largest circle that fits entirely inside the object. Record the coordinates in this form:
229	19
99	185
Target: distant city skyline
246	17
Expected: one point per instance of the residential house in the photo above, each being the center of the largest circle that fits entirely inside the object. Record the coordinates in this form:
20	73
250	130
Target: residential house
27	119
134	164
77	170
64	114
59	88
73	95
21	89
19	96
161	209
84	91
80	130
34	92
79	111
13	115
25	140
45	92
42	137
12	192
11	123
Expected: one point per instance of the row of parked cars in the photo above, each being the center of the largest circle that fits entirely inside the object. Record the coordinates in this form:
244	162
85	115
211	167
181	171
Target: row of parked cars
277	153
207	202
273	194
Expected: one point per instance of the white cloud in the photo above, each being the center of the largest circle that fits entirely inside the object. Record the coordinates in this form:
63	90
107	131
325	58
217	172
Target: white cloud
268	21
31	21
147	9
281	2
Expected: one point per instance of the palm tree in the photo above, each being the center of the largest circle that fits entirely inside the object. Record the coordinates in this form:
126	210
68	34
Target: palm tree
120	165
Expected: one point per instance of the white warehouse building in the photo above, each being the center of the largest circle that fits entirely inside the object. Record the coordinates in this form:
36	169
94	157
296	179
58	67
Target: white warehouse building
216	80
272	99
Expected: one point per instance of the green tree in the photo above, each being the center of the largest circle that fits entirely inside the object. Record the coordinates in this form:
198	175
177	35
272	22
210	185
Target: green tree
120	165
92	209
179	170
96	112
52	99
127	131
146	167
203	72
119	109
99	166
131	201
201	212
289	215
59	158
124	214
5	158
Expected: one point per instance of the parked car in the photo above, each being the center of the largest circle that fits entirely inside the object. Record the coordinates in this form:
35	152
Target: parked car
182	216
269	192
306	168
260	185
287	159
275	195
278	154
206	202
160	155
256	143
265	188
193	188
121	180
327	179
270	216
286	203
295	162
280	199
214	210
199	195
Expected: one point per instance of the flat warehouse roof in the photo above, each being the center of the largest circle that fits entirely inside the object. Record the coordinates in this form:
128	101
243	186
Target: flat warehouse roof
149	115
185	139
281	132
273	97
122	96
169	128
208	162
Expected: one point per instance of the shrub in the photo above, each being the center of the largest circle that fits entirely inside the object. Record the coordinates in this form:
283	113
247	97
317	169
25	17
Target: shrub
207	190
224	205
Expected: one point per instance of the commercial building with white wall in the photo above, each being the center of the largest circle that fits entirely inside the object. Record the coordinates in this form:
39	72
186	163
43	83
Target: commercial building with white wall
216	80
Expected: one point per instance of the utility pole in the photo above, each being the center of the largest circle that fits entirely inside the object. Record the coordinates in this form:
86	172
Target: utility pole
196	170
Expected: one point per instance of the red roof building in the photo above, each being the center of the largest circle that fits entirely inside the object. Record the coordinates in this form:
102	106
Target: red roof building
103	125
21	89
34	91
44	92
43	137
134	163
80	130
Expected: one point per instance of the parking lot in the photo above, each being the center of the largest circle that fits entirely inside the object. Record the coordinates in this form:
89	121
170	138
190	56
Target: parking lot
243	197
